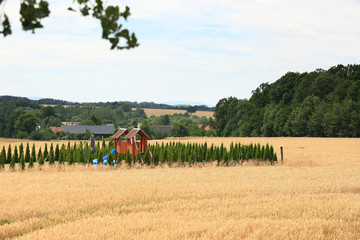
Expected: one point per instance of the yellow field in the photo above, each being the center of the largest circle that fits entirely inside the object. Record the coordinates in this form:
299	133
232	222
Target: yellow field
314	195
158	112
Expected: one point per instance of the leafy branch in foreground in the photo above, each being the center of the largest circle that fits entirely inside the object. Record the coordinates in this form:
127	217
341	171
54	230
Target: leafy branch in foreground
33	11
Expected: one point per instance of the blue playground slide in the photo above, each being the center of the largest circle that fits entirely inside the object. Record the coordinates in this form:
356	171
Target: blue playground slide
95	161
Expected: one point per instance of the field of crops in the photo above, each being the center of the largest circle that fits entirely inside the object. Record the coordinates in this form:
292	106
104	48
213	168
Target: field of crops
158	112
313	195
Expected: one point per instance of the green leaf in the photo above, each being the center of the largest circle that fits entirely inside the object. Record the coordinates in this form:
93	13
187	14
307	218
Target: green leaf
6	26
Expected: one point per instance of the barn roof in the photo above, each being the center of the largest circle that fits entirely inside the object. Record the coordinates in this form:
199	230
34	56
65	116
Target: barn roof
137	131
104	129
121	132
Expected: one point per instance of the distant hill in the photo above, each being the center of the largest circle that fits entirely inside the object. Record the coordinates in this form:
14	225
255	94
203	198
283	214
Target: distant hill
152	105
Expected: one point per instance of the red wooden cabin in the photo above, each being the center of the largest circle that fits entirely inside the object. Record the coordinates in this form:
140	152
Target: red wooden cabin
130	143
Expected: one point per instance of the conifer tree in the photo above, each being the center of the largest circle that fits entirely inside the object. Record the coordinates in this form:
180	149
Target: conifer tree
9	157
21	150
2	158
39	154
51	159
31	161
147	157
128	158
138	157
46	153
271	153
221	151
62	154
179	155
267	152
52	153
275	158
68	148
22	161
57	152
27	153
110	159
33	153
208	155
161	156
263	153
82	157
257	153
226	157
71	157
15	155
12	163
41	160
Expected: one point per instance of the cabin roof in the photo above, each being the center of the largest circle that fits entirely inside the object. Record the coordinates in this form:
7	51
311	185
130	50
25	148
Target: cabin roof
121	132
135	131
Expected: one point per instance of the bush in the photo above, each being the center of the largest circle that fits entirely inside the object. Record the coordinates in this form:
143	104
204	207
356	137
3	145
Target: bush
42	134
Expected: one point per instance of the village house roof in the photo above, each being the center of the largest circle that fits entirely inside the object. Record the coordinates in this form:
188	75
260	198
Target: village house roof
161	128
55	129
103	129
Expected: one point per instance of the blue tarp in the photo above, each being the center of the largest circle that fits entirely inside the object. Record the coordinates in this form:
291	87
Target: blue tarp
106	157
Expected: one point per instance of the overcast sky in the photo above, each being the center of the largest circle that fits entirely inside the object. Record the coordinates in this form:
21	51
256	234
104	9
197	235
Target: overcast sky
190	50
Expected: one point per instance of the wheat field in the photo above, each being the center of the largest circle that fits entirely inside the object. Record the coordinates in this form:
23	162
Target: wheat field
159	112
315	194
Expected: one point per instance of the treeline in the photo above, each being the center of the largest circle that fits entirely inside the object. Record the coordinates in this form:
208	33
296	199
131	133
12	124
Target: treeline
21	118
175	152
27	119
317	104
51	101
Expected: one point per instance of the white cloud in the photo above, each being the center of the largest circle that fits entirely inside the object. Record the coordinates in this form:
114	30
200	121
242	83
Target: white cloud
190	50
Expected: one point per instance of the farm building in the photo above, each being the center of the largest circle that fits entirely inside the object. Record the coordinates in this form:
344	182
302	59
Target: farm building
107	129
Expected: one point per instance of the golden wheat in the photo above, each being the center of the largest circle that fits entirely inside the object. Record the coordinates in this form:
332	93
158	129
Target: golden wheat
159	112
314	195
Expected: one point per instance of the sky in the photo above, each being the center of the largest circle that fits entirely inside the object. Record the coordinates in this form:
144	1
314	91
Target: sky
191	51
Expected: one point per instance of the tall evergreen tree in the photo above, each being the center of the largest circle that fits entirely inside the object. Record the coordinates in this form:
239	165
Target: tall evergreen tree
27	153
71	157
147	157
110	159
81	156
161	156
226	157
33	153
39	154
22	161
46	153
21	150
2	158
57	152
62	154
138	157
15	155
9	155
31	161
128	158
271	153
12	163
52	154
41	160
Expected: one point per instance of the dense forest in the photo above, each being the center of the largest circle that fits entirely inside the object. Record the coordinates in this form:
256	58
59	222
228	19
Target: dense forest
317	104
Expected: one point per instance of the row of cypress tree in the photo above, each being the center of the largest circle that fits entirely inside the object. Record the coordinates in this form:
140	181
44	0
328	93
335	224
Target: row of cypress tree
161	154
199	153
